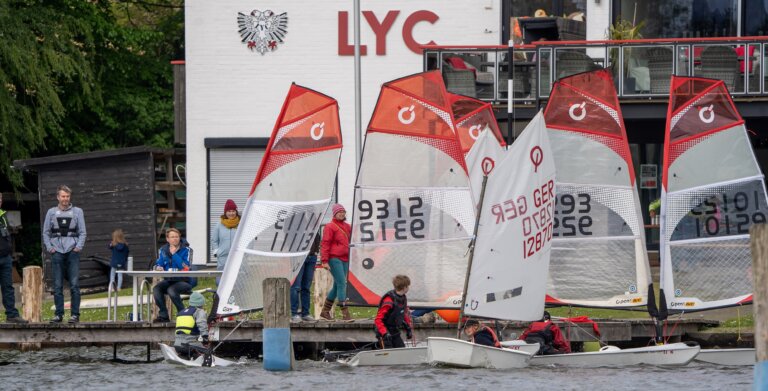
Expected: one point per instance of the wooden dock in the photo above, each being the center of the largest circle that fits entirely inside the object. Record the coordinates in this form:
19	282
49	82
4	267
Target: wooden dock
359	331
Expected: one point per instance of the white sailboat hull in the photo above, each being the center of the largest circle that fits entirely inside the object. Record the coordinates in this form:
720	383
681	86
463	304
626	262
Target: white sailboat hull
170	355
384	357
671	354
727	356
463	354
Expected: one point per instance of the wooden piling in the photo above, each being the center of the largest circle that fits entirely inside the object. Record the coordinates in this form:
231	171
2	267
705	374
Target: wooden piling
323	282
32	301
759	246
278	347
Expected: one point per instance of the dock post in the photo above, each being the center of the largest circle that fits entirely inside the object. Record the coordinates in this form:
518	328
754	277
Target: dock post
32	301
323	281
278	347
759	246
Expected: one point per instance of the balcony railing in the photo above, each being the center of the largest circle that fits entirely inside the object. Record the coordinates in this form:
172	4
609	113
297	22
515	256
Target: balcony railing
641	68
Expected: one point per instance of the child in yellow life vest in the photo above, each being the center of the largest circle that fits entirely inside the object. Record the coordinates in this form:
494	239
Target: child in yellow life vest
191	323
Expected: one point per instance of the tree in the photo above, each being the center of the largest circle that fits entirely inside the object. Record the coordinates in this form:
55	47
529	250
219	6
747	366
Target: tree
79	76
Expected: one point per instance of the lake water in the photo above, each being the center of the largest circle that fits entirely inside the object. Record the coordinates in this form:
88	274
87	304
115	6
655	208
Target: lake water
89	368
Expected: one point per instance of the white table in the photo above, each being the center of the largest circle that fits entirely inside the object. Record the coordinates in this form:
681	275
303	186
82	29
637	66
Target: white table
138	274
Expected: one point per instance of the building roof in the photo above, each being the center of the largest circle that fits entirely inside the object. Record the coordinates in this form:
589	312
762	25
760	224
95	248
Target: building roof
41	161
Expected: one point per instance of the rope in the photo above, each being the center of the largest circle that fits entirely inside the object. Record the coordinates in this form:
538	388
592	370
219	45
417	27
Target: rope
221	341
738	324
674	326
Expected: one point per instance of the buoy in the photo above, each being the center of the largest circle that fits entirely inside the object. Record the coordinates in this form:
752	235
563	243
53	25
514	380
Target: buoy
449	316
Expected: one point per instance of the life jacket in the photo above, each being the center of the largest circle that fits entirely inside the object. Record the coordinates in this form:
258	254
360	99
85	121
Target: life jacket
490	331
65	223
185	322
395	318
544	337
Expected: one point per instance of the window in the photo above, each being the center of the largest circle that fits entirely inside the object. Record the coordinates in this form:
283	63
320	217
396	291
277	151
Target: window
682	18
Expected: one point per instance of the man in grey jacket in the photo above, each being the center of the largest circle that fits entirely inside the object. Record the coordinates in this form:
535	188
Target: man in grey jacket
64	238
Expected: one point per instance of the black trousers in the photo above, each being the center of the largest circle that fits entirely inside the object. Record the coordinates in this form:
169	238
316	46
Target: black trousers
395	342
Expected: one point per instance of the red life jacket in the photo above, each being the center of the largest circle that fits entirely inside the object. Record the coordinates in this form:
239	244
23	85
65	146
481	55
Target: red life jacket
490	331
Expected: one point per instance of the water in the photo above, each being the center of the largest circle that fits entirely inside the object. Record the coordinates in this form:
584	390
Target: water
89	368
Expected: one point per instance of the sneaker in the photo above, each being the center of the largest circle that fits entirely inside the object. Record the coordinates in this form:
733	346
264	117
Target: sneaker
160	319
16	319
296	319
308	318
57	319
74	319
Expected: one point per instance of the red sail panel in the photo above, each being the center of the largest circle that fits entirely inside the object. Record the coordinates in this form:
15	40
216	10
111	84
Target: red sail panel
417	106
587	103
308	123
471	117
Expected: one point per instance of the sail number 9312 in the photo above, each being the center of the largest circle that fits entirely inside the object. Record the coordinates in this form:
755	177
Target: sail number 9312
395	219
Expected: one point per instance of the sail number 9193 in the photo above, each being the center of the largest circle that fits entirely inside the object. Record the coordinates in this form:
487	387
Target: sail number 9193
394	219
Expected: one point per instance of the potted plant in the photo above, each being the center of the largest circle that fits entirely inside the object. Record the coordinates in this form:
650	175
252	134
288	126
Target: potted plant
653	210
623	30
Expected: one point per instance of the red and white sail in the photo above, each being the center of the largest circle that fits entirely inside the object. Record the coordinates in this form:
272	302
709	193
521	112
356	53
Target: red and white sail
484	152
713	191
471	117
413	211
288	200
509	272
599	257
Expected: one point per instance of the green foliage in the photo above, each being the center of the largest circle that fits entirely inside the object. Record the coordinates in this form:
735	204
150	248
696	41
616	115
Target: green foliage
655	205
79	76
624	30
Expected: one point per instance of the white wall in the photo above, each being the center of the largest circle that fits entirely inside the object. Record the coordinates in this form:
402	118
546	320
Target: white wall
234	92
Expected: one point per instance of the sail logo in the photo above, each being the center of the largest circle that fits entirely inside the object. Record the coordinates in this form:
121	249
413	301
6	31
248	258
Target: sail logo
537	156
261	31
474	131
313	131
401	115
582	111
487	165
707	114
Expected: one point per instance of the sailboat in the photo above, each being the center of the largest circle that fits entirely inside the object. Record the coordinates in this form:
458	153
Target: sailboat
290	195
512	248
413	211
713	192
472	117
599	258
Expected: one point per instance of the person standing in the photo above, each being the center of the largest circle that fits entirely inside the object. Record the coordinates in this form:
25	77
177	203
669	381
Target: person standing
6	270
393	315
334	255
175	256
64	238
224	234
119	260
302	284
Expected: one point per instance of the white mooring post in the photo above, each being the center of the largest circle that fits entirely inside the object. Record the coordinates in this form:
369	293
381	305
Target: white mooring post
759	246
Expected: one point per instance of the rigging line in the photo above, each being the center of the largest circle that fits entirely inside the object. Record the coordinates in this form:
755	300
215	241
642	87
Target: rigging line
674	326
221	341
738	324
584	331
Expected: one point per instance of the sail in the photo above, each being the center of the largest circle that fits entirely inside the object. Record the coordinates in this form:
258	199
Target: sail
471	117
288	199
413	211
599	258
713	191
509	272
484	152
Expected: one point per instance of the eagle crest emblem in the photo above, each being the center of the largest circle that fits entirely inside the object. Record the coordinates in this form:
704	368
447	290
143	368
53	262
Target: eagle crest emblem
261	31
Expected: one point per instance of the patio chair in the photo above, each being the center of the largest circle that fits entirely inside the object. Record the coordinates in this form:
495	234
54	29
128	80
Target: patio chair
570	63
659	69
721	62
460	81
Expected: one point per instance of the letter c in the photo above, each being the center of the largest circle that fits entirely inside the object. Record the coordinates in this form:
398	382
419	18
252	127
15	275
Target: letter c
410	22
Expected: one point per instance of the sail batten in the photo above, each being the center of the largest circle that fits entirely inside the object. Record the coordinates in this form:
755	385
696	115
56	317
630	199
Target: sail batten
413	207
598	257
289	198
713	192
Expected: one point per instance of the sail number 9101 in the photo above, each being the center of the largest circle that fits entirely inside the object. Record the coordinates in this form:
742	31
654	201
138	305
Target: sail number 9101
395	219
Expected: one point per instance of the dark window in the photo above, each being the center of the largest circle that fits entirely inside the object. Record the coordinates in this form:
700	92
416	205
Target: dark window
755	17
682	18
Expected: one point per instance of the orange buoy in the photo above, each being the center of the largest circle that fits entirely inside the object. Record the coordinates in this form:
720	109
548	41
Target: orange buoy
450	316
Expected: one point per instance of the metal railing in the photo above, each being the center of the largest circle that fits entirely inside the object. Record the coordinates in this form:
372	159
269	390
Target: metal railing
641	68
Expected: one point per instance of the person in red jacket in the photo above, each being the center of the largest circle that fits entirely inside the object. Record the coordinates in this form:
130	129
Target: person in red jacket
334	255
547	335
481	334
393	315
